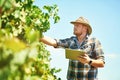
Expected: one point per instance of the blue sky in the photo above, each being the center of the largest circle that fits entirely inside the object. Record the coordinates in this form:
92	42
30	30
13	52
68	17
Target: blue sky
104	17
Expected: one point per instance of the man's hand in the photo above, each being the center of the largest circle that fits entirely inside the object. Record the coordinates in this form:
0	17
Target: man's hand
84	59
49	41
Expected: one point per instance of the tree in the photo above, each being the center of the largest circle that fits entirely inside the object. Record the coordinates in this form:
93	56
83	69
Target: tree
22	56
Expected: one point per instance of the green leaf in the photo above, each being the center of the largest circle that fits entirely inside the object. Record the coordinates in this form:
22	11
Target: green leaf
48	8
56	19
32	35
20	21
14	44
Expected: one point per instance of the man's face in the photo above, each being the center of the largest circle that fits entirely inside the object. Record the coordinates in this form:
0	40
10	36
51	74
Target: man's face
79	29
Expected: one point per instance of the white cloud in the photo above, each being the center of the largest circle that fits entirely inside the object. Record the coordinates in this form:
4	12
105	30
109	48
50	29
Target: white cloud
112	55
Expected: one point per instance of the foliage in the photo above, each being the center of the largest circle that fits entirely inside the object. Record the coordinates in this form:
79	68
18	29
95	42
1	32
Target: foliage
22	55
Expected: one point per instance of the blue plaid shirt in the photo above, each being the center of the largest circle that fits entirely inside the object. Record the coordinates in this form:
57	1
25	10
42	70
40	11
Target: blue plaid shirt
77	70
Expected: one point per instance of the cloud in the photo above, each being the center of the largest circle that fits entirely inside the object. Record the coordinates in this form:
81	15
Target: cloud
112	55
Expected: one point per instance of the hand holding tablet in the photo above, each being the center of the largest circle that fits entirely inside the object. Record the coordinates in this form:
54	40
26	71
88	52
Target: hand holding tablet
73	53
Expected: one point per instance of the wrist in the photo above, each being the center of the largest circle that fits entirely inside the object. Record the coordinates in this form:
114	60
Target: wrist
90	62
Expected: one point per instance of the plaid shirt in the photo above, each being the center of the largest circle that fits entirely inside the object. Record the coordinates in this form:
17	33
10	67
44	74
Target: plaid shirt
77	70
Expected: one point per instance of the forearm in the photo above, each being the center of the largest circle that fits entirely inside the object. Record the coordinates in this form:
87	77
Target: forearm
97	63
86	59
49	41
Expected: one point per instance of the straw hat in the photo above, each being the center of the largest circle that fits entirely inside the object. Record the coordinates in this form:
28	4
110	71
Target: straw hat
84	21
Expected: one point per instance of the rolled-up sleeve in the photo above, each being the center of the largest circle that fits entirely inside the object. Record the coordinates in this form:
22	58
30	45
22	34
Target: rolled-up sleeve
98	50
63	43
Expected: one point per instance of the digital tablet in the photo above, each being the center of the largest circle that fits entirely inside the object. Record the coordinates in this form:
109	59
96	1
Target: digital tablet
73	53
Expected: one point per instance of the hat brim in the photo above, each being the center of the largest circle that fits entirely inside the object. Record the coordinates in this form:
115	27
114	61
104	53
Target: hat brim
89	27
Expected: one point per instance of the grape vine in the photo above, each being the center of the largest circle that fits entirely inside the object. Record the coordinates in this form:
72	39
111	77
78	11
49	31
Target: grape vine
22	55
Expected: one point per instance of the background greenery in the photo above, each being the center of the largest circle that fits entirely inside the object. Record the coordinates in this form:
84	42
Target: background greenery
22	55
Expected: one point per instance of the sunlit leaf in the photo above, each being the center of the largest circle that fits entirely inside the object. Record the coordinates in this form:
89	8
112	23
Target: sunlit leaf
57	18
14	44
23	23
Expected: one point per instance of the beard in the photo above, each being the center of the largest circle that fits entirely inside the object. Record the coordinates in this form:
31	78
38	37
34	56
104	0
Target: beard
77	33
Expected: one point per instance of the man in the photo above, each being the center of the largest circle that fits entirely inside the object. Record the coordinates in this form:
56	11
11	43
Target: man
86	66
